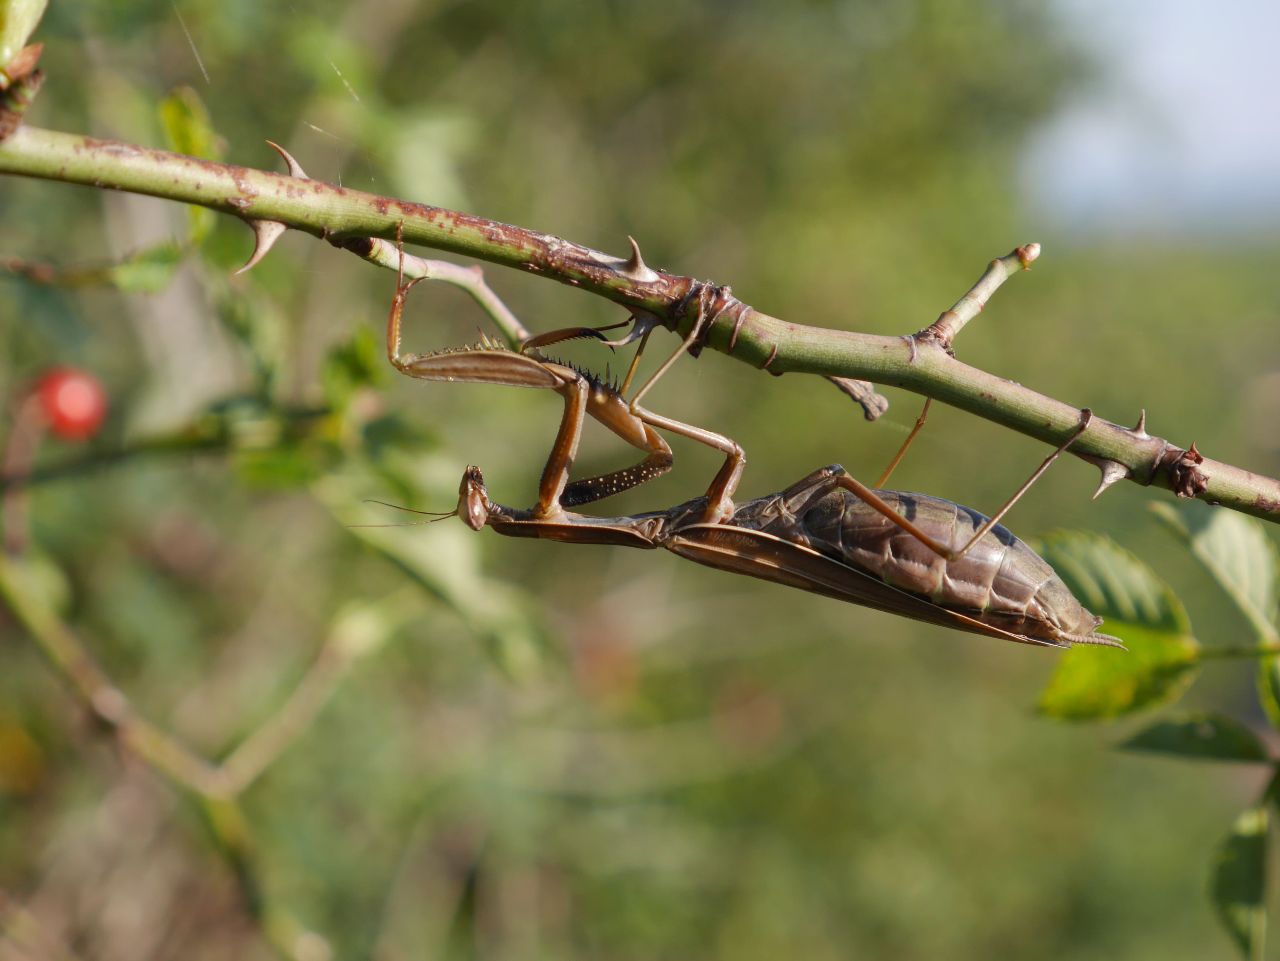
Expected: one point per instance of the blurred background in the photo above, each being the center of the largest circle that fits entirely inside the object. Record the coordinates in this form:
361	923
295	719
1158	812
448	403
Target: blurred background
510	749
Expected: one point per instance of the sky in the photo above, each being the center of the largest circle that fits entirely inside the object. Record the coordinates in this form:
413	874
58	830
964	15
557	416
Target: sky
1180	127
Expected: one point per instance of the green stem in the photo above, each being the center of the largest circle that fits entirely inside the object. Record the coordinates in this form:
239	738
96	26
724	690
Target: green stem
344	216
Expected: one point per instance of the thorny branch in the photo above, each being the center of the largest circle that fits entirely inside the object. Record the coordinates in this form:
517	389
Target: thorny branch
921	363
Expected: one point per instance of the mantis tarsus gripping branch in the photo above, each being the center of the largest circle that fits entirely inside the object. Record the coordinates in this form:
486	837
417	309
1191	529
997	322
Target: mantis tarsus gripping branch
922	557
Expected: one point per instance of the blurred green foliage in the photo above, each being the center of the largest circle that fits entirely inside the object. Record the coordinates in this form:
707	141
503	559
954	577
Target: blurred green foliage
560	751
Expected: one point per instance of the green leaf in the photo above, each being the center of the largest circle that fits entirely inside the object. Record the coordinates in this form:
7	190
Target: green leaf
18	20
1235	549
146	272
1239	882
356	363
1140	609
1208	737
188	126
189	130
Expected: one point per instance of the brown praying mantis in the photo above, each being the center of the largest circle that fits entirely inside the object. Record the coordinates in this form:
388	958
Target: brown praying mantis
918	556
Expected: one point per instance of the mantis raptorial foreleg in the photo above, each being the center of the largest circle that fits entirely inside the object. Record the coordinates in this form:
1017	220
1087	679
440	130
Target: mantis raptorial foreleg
583	396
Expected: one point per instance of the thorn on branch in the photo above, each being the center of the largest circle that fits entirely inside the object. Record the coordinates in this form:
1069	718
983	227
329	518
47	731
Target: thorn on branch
1140	428
295	168
634	268
1113	472
265	235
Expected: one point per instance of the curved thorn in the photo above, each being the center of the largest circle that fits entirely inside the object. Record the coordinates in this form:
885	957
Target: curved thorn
642	324
635	268
265	235
1113	472
295	168
1141	427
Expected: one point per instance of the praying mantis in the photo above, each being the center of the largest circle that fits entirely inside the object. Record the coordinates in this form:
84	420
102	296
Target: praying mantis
914	555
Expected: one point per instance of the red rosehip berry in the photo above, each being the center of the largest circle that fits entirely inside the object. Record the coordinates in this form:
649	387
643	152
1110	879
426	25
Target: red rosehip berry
72	401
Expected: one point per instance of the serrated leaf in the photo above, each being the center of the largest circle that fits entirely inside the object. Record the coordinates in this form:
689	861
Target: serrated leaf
1234	549
1141	610
1208	737
1239	883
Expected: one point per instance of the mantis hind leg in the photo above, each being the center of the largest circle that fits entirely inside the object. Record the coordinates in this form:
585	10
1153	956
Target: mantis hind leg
906	444
848	482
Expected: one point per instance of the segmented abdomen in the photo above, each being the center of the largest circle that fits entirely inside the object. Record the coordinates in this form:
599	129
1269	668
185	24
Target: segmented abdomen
1000	581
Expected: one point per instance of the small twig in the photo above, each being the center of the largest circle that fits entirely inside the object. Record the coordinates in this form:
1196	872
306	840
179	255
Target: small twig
950	322
471	279
63	649
216	785
355	634
352	636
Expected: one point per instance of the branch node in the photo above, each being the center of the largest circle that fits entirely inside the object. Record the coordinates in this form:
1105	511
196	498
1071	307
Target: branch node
1185	476
265	235
738	321
634	268
295	168
22	65
20	81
